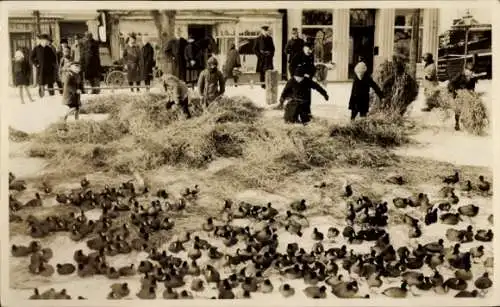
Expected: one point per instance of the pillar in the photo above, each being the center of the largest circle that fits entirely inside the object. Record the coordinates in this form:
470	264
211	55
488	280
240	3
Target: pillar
277	34
430	39
384	35
340	46
92	26
294	17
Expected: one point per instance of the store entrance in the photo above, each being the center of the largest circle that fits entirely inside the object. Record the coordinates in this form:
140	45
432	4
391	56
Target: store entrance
362	39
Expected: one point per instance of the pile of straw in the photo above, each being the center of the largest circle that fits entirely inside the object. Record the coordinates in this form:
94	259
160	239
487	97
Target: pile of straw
470	106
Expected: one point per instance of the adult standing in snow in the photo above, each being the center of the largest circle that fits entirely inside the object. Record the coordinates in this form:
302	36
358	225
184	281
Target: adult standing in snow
56	68
211	83
430	83
233	62
147	62
175	55
193	58
44	59
293	47
132	60
264	50
91	62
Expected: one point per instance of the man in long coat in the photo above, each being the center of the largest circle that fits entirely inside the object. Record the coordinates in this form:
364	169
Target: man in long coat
264	50
44	59
147	62
175	55
91	61
293	47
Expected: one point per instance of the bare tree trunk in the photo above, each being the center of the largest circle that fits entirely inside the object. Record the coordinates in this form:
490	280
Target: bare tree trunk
415	33
165	25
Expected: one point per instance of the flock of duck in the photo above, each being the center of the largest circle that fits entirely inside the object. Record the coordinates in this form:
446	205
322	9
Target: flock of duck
252	255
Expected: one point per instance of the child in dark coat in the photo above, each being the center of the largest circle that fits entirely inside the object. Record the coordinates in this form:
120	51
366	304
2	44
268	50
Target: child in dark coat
22	73
73	88
359	103
298	93
211	82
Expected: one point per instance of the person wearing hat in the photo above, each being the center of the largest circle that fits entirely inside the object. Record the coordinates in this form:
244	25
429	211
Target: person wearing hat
232	65
430	82
264	50
297	95
148	61
193	58
132	60
359	102
175	55
293	47
90	62
211	83
73	88
44	59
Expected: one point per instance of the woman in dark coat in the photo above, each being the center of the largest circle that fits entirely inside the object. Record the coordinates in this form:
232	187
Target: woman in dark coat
264	50
147	62
22	73
193	58
232	61
44	59
132	60
359	103
91	61
175	55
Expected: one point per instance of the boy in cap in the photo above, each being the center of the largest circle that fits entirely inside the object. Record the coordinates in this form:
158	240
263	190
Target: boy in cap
211	82
73	87
297	92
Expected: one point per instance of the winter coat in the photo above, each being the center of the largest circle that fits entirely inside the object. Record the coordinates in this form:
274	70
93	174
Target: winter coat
63	67
22	72
193	52
147	61
264	50
175	55
301	59
75	52
294	47
232	61
56	68
90	59
132	60
430	81
211	84
360	93
301	91
460	82
72	83
44	60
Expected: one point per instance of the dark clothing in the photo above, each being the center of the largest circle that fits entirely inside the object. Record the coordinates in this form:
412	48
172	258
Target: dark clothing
72	83
300	95
132	59
175	55
137	83
44	60
232	61
460	82
22	72
294	47
360	94
90	62
194	61
147	62
306	61
354	113
264	50
211	85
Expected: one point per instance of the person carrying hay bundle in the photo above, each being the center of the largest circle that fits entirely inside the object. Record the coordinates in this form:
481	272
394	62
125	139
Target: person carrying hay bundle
211	82
430	83
465	80
359	103
177	91
73	88
297	93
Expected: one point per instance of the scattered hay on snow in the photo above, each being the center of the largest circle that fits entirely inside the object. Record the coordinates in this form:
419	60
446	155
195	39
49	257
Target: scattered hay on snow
470	106
18	135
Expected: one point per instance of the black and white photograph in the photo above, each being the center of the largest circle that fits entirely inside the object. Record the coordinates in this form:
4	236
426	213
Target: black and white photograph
284	152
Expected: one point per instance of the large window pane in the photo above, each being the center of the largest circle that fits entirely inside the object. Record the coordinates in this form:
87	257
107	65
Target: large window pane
225	44
248	57
317	17
322	39
404	17
361	18
402	43
252	29
225	30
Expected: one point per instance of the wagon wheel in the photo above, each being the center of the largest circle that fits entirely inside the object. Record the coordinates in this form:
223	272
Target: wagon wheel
115	78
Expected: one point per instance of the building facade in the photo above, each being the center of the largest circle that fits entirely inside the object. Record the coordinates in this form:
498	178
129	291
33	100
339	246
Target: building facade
341	36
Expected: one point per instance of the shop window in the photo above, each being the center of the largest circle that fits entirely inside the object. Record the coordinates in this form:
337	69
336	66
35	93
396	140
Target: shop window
247	33
402	33
322	38
404	17
317	17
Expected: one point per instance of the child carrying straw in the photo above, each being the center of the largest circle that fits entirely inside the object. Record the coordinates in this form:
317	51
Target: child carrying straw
22	73
73	88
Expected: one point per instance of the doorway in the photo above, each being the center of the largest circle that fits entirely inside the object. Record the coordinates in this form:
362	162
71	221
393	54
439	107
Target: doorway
362	38
202	35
